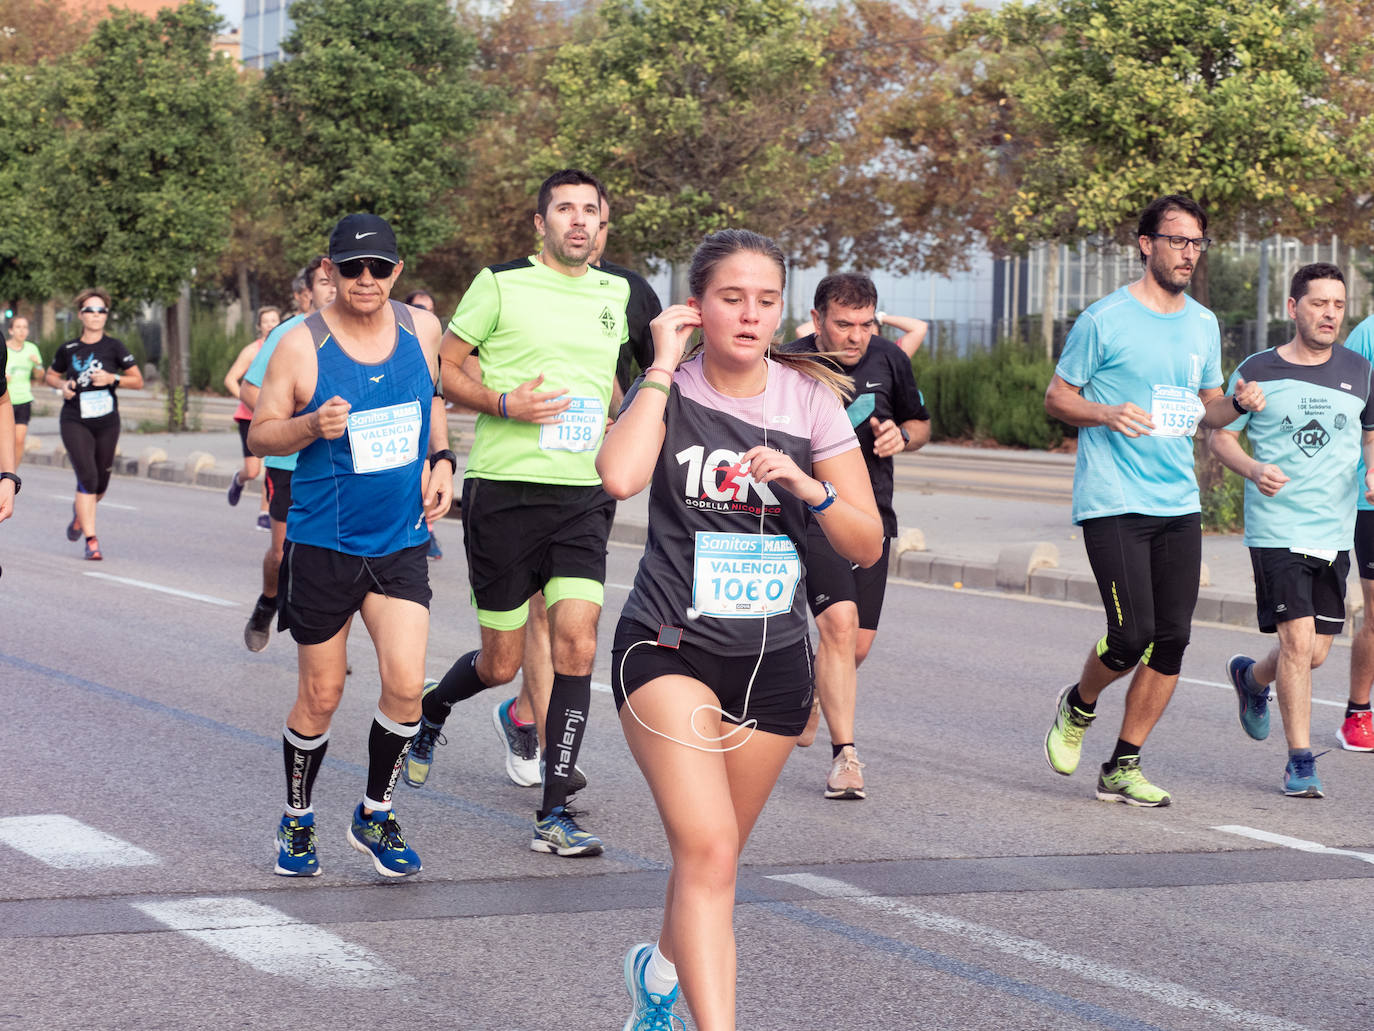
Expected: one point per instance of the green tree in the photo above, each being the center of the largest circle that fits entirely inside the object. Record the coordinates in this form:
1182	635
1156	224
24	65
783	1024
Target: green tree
142	169
697	115
371	112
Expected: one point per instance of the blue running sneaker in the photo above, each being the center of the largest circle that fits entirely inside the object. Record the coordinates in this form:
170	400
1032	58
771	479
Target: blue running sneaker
1300	778
559	833
521	744
651	1012
1254	705
421	755
296	847
235	490
379	835
73	528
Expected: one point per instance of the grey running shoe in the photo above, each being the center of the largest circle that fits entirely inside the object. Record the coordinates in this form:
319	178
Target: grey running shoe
259	629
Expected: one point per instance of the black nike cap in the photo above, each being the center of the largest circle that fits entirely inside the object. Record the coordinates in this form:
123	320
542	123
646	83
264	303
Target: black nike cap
363	236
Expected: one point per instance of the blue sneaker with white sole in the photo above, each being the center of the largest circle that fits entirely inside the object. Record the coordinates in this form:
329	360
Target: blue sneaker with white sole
1300	778
379	835
296	847
1254	705
652	1011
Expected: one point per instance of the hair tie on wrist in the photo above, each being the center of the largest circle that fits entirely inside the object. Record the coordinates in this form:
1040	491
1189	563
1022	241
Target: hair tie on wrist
503	407
1237	405
658	368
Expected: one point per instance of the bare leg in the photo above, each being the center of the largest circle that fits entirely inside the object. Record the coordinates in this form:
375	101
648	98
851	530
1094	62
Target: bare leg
836	671
85	512
21	434
271	559
1301	650
532	704
1146	700
319	683
1096	678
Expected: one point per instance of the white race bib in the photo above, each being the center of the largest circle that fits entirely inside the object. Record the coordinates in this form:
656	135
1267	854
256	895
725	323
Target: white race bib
1325	554
744	575
385	438
95	403
1175	411
579	430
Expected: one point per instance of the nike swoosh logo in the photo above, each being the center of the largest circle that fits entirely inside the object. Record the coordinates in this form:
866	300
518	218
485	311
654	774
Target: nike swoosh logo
360	236
869	386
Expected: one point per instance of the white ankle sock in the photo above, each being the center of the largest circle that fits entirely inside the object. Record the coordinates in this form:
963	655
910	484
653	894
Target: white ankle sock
660	975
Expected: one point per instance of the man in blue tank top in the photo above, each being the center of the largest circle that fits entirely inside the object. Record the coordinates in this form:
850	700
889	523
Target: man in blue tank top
1299	507
353	390
1140	370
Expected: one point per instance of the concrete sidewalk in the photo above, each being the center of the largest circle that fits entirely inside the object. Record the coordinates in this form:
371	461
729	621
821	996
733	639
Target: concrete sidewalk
947	536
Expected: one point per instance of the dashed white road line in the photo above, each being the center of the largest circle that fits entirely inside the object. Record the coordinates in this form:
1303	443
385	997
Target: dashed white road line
1176	995
104	504
67	844
128	582
1300	844
1228	687
268	940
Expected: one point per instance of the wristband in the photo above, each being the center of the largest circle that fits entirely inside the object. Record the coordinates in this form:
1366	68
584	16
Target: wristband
652	385
503	408
830	496
13	478
1236	405
658	368
880	316
115	384
444	455
906	437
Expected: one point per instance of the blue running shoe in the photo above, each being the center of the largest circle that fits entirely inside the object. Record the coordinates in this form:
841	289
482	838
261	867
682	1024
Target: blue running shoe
559	833
379	835
235	490
1254	705
1300	778
296	847
651	1012
421	755
73	528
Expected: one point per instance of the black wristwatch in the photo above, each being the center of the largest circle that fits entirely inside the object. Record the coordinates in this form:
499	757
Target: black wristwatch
906	437
18	483
440	456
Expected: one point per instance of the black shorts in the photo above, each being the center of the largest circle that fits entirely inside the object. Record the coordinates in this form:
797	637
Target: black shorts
320	589
520	535
1364	544
780	700
22	413
830	577
243	436
1289	586
278	493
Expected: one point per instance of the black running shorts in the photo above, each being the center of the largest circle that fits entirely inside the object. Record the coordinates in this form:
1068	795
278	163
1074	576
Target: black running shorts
278	493
780	699
243	436
1289	586
520	535
22	413
1364	544
830	577
320	589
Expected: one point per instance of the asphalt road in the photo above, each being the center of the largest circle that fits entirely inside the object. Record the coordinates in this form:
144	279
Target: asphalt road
974	890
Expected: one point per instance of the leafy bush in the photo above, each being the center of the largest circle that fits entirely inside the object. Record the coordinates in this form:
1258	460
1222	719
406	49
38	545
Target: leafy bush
996	395
212	350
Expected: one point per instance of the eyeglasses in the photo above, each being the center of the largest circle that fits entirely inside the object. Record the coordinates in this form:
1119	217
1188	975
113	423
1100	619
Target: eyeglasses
1180	243
353	267
95	311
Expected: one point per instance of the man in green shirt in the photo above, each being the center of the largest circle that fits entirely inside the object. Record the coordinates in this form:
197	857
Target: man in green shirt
548	330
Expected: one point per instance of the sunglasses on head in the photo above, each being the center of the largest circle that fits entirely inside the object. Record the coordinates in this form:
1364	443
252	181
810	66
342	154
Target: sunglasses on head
95	311
353	267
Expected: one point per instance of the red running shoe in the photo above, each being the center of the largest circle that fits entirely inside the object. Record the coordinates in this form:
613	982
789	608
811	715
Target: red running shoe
1357	732
93	549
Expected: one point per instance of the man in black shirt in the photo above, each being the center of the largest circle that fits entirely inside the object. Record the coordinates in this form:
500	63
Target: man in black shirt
888	415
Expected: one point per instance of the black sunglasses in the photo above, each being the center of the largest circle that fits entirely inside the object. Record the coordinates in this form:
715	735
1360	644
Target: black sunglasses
95	311
353	267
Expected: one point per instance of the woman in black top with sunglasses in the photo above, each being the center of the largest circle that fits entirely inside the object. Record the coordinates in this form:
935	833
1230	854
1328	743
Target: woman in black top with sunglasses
89	370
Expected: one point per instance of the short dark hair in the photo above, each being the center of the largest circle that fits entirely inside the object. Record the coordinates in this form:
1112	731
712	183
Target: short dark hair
1317	270
92	291
410	298
1154	214
847	289
310	270
566	177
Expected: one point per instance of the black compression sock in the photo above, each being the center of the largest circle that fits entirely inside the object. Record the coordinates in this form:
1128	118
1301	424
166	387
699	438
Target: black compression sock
267	601
564	726
459	683
1124	750
836	749
1353	707
303	754
1075	700
387	745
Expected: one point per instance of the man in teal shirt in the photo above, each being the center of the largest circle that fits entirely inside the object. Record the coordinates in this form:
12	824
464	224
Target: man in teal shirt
1299	516
1140	369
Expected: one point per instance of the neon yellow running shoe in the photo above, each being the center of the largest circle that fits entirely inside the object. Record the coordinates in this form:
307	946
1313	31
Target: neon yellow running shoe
1064	742
1125	783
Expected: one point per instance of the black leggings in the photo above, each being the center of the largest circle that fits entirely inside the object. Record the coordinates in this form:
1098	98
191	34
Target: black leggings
1147	570
90	445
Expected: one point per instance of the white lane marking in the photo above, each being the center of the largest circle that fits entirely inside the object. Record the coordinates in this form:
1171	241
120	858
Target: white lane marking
1228	687
103	504
1029	949
1300	844
69	844
622	587
208	599
599	686
268	940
